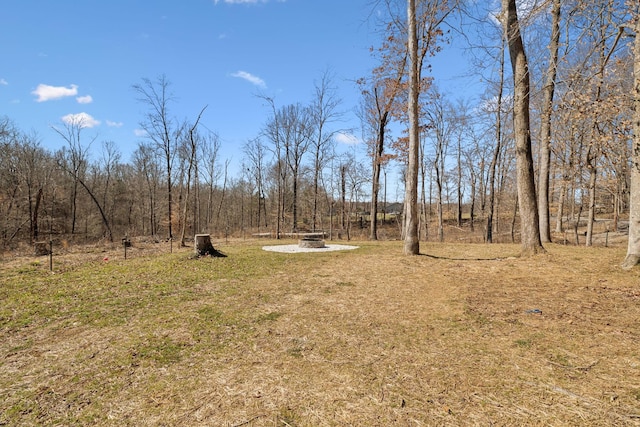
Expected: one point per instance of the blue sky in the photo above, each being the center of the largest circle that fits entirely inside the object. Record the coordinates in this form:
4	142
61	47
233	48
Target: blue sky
65	57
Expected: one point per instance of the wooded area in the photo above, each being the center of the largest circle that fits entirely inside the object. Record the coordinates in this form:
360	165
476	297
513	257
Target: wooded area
464	159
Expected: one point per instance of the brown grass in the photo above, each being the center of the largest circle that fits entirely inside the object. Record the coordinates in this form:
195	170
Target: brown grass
462	335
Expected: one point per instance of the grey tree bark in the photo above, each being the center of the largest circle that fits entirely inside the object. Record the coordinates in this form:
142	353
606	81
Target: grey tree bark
545	125
496	153
411	241
633	248
529	222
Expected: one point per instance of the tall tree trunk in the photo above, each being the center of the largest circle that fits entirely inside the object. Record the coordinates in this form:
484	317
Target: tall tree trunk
545	126
343	196
529	223
377	167
472	206
424	216
185	208
459	190
169	197
439	212
633	248
411	242
74	205
591	216
34	217
294	196
496	153
560	210
316	186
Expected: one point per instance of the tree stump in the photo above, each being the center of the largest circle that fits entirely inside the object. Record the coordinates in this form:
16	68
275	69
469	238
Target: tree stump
203	246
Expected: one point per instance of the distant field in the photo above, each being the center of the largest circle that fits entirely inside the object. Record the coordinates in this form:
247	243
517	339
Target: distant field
465	334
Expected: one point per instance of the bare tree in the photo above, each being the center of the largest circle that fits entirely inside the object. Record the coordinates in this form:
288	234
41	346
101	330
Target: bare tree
633	248
211	172
74	162
411	241
324	111
255	151
379	104
441	125
34	173
73	158
272	132
529	223
144	159
193	141
545	124
105	172
496	151
290	129
161	129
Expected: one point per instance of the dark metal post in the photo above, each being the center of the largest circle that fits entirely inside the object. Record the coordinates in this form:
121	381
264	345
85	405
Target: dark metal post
50	254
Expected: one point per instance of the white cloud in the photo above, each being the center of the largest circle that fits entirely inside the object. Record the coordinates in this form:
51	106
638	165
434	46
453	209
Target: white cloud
49	93
87	99
140	133
255	80
3	82
114	124
347	139
524	9
82	120
490	105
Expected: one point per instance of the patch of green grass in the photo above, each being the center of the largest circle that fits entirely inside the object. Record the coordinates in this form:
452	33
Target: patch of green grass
287	417
209	314
163	351
560	359
345	284
269	317
24	406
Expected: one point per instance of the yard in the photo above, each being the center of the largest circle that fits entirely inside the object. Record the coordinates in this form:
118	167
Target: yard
465	334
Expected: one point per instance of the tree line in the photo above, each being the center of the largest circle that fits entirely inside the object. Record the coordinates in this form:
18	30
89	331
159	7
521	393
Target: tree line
548	145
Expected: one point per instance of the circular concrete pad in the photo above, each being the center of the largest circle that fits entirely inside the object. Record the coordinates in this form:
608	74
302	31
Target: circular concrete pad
291	249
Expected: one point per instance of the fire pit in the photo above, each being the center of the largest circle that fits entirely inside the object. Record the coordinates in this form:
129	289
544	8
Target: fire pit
311	242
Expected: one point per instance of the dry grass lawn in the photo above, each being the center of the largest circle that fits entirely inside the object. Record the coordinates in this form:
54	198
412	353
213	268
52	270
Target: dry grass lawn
463	335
